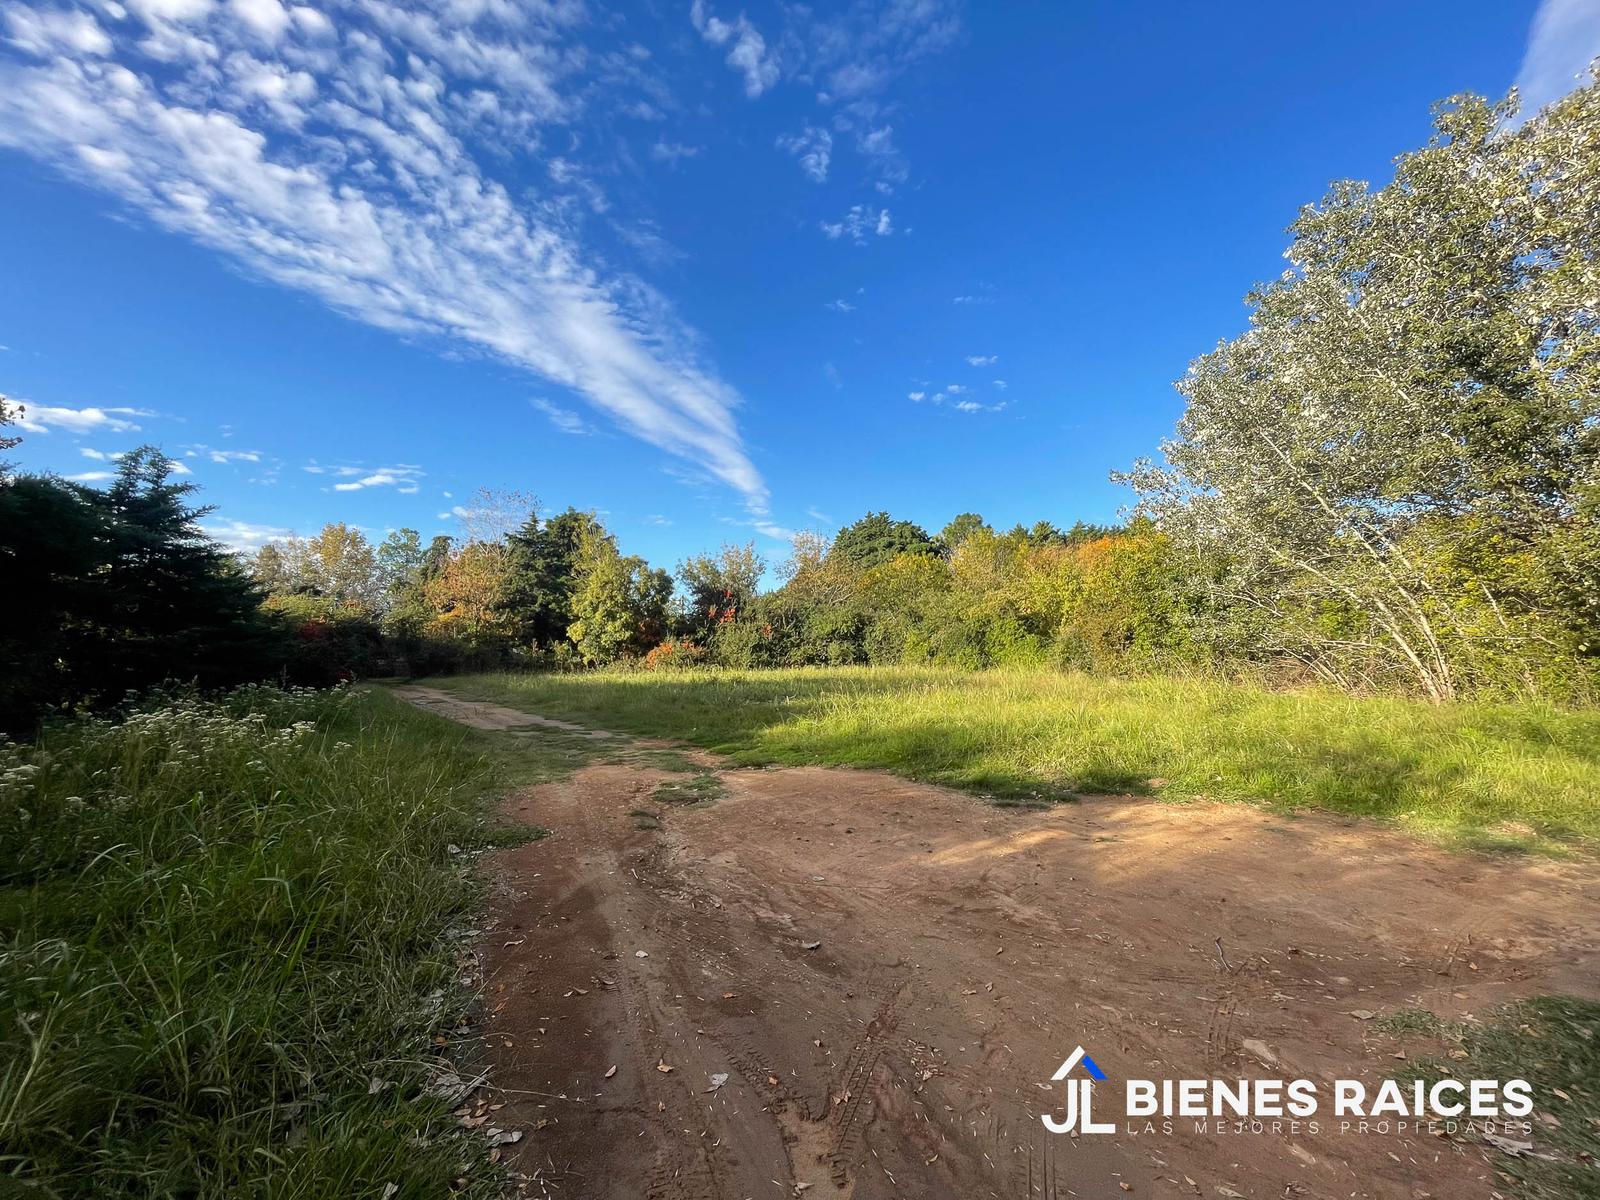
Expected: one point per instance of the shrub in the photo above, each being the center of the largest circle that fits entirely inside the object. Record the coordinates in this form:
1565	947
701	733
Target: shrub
674	656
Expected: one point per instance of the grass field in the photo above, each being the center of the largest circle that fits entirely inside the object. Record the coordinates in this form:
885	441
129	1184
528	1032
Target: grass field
225	958
1491	776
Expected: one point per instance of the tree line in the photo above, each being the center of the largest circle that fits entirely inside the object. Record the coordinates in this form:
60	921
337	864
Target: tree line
1390	480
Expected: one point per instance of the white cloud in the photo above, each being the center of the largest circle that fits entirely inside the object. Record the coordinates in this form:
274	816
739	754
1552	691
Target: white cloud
1001	384
1563	41
92	476
840	306
917	397
242	536
658	520
563	419
390	211
983	360
747	49
672	152
266	18
813	147
47	32
230	456
42	418
856	224
405	479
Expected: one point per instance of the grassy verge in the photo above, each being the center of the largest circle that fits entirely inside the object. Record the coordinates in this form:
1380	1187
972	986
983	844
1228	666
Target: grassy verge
1554	1043
225	958
1484	775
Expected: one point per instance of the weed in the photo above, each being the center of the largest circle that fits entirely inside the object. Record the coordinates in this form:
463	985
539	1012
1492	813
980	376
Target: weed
226	949
698	789
1553	1042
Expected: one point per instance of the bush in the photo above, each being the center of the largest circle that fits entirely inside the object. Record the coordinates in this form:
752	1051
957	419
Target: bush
674	656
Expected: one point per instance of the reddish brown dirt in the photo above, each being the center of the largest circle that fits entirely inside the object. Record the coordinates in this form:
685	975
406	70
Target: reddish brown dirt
964	951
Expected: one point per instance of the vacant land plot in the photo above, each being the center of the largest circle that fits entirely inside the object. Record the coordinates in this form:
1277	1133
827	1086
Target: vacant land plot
839	983
1479	774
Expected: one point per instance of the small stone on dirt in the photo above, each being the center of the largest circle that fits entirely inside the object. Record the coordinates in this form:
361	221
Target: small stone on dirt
1258	1048
641	954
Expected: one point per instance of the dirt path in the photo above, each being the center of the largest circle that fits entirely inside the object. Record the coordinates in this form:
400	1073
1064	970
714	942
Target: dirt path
888	973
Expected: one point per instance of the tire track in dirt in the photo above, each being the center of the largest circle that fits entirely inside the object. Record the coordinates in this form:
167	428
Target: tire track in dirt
887	974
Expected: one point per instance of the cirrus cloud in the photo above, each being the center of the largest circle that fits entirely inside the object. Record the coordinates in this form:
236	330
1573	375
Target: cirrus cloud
360	160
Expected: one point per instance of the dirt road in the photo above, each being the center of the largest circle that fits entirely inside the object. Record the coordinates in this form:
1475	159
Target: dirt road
836	983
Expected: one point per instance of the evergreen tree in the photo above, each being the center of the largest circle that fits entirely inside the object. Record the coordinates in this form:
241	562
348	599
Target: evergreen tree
544	561
876	538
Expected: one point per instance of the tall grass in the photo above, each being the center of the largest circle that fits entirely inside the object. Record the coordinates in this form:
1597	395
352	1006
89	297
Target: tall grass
223	950
1486	774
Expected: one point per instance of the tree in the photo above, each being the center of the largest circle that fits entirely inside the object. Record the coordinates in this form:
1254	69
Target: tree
400	562
876	538
619	604
8	416
1399	463
721	586
493	514
960	528
468	596
119	589
544	560
337	564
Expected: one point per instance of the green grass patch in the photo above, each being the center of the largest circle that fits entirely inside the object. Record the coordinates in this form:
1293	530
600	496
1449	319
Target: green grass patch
1489	775
227	949
697	789
1554	1043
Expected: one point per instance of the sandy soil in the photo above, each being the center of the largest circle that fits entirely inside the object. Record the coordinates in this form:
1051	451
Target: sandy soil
888	973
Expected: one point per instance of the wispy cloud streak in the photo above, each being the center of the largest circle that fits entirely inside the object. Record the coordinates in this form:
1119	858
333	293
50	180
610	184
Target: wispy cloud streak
1564	40
348	155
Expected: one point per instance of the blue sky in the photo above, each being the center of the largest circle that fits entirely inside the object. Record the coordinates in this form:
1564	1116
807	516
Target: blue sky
717	272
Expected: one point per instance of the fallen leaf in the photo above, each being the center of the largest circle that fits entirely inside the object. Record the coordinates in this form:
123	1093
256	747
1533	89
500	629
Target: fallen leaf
717	1080
611	1072
1506	1145
663	1068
